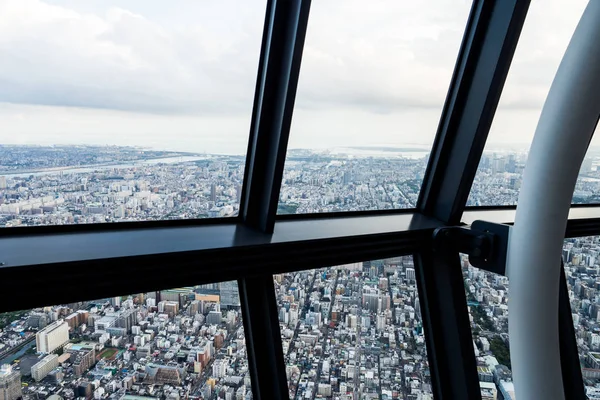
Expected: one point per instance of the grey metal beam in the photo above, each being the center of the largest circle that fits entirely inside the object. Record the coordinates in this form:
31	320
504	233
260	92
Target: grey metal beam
486	53
446	323
281	54
263	338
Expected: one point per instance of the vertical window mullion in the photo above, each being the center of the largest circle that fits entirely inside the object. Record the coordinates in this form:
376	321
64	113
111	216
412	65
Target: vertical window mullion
447	328
482	66
263	338
283	42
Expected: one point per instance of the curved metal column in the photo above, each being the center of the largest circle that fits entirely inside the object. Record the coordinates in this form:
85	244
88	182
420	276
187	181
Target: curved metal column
561	139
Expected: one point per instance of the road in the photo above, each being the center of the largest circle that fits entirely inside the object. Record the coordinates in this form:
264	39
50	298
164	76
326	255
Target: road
301	317
402	374
357	355
207	370
326	333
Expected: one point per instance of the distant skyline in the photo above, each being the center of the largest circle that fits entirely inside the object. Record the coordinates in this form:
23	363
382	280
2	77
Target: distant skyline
181	76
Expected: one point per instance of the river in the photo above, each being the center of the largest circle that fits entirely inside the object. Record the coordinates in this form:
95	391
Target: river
12	357
93	168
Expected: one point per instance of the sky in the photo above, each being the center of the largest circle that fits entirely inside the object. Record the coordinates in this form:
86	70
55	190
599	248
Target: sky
180	75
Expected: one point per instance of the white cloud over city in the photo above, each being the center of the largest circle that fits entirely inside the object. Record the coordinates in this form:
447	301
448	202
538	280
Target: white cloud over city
181	74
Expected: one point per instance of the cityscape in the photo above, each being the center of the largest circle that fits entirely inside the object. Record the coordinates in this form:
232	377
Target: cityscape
185	343
60	185
487	298
354	332
348	332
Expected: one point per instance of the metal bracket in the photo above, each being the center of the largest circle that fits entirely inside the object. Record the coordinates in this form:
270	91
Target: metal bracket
486	244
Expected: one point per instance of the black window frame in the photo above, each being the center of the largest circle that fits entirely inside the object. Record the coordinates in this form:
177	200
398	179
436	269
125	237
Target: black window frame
92	259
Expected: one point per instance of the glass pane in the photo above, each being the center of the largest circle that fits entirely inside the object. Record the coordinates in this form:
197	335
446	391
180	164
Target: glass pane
125	111
487	300
581	270
487	297
354	331
180	343
544	39
372	86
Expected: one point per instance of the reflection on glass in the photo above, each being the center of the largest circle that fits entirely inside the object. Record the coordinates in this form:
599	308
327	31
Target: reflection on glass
544	39
372	86
125	111
354	331
180	343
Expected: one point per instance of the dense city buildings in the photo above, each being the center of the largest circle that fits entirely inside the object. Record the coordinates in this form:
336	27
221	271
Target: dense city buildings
488	294
80	184
348	332
116	184
151	345
353	332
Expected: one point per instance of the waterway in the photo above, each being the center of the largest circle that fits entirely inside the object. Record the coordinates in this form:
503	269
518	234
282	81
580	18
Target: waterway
588	179
14	356
94	168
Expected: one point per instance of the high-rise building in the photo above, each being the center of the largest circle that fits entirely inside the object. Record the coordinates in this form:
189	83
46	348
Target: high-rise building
52	337
375	300
127	319
82	316
37	320
115	301
193	308
44	366
219	368
213	192
171	308
83	357
72	320
214	317
229	293
381	322
10	383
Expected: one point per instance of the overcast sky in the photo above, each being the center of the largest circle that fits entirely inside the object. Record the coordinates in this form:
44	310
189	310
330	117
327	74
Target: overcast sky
180	75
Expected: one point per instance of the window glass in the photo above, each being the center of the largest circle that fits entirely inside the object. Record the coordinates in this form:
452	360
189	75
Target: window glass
546	34
180	343
125	111
372	86
487	297
487	300
354	331
581	260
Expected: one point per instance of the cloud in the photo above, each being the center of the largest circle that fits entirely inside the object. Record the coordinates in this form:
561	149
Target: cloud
545	36
389	55
120	60
386	56
185	71
548	29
